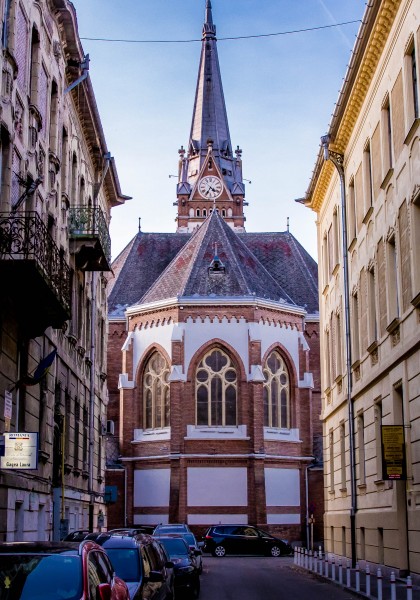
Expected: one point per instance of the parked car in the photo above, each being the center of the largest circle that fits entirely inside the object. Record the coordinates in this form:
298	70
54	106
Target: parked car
139	561
165	528
187	577
133	530
194	546
243	539
58	571
76	536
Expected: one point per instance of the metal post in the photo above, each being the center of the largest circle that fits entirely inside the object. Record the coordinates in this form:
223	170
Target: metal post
409	588
348	574
306	558
367	581
340	572
338	161
295	557
310	560
333	568
357	578
393	586
315	568
319	551
379	580
326	565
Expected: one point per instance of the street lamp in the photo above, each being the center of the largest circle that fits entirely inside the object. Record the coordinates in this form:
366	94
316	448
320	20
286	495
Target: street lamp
337	160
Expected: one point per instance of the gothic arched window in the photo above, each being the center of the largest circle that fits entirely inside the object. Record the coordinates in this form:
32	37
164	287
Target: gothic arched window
216	390
156	393
276	392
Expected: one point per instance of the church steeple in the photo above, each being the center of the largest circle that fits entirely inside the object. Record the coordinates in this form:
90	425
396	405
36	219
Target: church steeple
209	147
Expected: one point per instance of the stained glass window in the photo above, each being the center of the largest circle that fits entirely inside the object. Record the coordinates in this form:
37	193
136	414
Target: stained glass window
216	390
156	393
276	392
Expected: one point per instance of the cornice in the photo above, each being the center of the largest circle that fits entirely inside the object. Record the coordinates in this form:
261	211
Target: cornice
351	110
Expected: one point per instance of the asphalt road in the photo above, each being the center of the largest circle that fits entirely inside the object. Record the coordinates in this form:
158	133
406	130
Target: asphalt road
262	578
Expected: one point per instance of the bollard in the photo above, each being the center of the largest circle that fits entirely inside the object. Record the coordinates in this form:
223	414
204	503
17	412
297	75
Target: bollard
357	578
409	588
295	556
319	551
320	565
340	572
310	560
379	579
393	586
348	574
326	565
298	557
368	581
315	569
333	568
306	559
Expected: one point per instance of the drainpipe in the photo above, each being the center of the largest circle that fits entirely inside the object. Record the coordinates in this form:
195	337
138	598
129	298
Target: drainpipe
337	160
98	186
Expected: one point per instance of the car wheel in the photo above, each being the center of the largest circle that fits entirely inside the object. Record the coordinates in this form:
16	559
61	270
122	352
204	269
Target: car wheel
219	551
275	551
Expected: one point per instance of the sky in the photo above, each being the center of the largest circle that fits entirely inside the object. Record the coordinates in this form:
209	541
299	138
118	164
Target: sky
280	93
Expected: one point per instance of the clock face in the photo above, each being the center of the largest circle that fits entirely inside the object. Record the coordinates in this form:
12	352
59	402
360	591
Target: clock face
210	187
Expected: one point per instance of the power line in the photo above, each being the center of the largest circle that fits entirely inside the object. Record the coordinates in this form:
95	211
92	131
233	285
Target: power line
239	37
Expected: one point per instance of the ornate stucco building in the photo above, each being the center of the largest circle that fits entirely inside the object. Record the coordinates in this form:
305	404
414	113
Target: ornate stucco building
213	352
373	170
58	185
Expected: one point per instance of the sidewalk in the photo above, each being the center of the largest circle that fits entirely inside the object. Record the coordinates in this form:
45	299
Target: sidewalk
334	578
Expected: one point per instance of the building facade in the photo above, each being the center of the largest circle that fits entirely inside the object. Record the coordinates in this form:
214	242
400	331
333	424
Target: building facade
58	185
213	355
373	170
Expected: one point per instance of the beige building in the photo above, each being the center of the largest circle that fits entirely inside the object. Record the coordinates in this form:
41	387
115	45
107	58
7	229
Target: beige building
373	168
58	185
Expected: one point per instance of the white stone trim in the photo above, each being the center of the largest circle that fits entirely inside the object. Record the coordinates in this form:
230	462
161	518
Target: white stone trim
127	342
304	343
151	435
281	435
203	432
124	383
307	381
257	374
176	374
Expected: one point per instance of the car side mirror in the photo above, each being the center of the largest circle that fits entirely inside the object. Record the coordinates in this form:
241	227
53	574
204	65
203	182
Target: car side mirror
155	577
169	564
104	591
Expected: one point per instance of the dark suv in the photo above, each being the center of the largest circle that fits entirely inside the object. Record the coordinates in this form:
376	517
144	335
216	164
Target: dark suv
243	539
141	563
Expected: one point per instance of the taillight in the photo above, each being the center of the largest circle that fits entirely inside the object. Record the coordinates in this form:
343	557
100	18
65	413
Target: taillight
208	537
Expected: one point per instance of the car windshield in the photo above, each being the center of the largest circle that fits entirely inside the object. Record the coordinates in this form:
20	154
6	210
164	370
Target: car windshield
36	577
170	528
175	546
189	538
125	562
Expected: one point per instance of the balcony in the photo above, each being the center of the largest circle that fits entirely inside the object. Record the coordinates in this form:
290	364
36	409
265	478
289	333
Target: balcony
91	242
34	273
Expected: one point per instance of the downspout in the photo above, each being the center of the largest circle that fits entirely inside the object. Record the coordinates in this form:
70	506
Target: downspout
107	158
338	161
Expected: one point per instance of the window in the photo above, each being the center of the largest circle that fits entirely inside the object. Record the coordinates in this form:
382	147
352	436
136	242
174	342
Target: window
5	30
331	457
367	177
372	312
414	90
338	344
197	212
276	392
393	287
343	456
216	390
361	444
355	326
156	405
378	438
386	137
336	235
35	66
351	213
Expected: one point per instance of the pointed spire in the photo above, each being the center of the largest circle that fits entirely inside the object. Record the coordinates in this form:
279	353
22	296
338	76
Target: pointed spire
209	29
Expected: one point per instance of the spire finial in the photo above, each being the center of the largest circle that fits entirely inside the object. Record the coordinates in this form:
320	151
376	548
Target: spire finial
209	29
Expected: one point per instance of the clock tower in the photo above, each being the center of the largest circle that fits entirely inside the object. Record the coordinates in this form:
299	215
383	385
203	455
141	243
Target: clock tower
210	173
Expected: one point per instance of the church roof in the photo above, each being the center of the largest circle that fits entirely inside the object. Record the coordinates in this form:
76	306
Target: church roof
162	265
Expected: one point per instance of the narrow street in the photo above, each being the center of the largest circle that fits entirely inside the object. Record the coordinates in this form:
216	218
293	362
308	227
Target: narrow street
257	578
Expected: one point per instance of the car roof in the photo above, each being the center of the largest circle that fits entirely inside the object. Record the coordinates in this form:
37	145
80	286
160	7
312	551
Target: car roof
40	547
116	540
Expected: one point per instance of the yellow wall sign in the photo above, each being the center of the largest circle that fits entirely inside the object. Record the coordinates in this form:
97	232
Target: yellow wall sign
393	452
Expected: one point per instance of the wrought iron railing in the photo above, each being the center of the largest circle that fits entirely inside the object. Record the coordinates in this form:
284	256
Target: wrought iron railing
86	221
24	236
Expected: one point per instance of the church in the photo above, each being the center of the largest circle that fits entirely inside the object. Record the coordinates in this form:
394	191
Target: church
213	353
